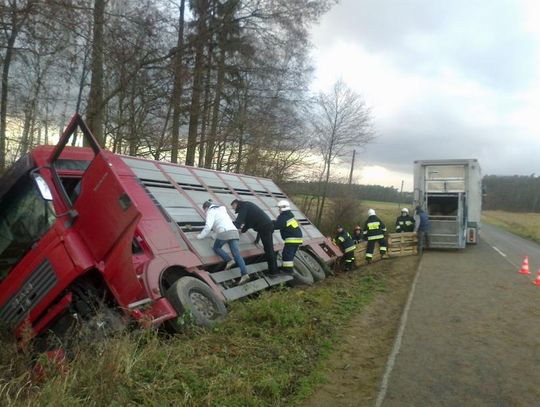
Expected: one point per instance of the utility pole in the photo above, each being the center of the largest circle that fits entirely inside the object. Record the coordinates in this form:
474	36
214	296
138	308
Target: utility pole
352	168
401	194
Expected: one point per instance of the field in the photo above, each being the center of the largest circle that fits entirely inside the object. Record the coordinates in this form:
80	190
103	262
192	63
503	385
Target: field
526	225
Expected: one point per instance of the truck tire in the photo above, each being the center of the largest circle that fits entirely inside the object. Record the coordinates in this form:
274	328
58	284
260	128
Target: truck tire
301	274
96	319
314	266
191	297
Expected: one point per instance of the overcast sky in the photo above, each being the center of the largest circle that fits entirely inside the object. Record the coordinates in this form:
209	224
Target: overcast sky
444	79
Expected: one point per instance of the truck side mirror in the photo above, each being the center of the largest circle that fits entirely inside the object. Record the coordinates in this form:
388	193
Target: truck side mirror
43	188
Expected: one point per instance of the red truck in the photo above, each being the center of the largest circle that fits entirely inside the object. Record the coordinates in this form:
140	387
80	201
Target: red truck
84	230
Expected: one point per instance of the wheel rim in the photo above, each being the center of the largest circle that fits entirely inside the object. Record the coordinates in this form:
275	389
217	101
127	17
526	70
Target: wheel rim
203	304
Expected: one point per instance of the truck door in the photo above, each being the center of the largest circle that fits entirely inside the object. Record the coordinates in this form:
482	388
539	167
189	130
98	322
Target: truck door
99	207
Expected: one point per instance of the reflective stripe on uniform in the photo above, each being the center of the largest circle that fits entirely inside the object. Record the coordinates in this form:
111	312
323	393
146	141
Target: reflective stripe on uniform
296	240
373	225
341	239
350	249
375	237
292	223
382	248
349	260
288	264
369	255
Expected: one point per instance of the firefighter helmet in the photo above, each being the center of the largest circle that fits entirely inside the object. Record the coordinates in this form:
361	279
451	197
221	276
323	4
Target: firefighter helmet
284	205
405	210
371	212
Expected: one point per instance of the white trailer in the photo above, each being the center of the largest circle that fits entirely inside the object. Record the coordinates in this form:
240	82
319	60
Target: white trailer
450	191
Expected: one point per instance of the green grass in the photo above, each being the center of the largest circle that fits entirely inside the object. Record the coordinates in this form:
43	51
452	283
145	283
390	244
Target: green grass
526	225
269	352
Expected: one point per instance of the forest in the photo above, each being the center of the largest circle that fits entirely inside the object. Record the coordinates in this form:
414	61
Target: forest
516	193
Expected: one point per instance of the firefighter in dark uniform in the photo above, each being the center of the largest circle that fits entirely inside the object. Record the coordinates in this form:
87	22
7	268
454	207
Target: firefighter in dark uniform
405	222
346	243
290	233
374	230
357	234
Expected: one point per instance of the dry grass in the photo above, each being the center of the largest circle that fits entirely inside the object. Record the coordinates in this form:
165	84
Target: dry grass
526	225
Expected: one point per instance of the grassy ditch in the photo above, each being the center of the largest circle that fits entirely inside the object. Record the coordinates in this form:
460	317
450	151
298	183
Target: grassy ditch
269	352
526	225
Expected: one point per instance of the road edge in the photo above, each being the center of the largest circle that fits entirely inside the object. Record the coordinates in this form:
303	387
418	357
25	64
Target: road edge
397	343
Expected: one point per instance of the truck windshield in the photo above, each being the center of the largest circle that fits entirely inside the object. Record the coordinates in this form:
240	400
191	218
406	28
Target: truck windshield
24	218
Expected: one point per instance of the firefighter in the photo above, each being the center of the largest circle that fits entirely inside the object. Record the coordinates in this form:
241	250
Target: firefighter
291	234
357	234
346	243
251	216
405	222
374	230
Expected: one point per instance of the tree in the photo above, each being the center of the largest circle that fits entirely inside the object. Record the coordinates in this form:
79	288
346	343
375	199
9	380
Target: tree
341	121
96	109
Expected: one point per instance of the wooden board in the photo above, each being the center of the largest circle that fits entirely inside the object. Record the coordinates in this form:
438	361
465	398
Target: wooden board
399	244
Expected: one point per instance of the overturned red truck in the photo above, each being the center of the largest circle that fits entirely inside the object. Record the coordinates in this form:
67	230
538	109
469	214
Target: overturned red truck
84	230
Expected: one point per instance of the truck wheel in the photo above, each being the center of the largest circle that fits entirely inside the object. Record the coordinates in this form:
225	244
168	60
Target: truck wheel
314	266
97	320
191	297
301	275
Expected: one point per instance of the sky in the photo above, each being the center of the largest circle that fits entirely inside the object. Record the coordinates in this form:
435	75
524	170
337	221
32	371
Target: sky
443	79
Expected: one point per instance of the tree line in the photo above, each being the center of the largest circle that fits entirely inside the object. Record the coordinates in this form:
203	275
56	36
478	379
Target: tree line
353	191
219	84
516	193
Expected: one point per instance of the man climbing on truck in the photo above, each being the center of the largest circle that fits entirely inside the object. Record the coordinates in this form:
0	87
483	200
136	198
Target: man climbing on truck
250	216
219	221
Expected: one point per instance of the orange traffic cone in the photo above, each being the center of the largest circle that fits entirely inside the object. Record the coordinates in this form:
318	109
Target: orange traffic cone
537	281
525	266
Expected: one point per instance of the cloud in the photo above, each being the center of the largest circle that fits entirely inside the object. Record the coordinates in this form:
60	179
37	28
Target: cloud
453	79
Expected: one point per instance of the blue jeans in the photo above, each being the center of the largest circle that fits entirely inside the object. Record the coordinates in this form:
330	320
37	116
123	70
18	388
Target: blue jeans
233	245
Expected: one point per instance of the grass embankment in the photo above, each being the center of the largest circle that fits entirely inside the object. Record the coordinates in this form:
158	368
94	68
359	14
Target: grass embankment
269	352
526	225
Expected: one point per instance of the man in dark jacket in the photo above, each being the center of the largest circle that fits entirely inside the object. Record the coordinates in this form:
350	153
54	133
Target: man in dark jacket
250	216
291	234
345	242
374	230
421	228
405	222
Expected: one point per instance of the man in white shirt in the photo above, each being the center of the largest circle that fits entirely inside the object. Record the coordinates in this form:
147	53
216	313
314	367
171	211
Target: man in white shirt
219	221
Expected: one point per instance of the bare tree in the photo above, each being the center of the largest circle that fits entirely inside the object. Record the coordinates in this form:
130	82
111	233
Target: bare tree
341	122
96	109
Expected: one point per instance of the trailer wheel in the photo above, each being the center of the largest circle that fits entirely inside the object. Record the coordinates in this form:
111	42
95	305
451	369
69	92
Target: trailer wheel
301	274
191	297
314	266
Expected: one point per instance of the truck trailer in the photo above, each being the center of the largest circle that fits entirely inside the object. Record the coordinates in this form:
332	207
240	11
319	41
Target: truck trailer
95	237
450	191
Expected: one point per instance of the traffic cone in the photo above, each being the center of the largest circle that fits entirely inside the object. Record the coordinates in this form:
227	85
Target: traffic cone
525	266
537	281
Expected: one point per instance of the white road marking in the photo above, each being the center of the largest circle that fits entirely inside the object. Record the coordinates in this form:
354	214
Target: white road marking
397	344
498	251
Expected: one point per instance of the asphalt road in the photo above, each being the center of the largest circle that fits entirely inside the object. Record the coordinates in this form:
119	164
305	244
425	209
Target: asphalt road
471	332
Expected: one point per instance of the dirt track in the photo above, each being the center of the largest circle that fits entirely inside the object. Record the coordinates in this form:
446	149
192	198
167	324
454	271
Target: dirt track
354	372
